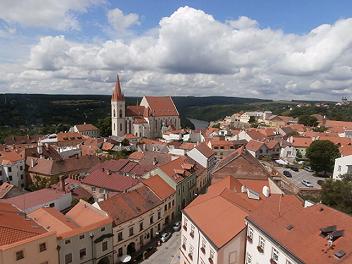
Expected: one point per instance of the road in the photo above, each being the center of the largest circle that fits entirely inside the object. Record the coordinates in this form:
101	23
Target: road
167	253
297	178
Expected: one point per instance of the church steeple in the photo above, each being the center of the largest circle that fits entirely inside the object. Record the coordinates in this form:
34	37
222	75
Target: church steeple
117	94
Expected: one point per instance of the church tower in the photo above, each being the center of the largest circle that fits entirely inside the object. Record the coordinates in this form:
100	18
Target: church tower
118	111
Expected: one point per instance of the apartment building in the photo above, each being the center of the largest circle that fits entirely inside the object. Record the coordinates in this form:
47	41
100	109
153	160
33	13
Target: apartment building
12	168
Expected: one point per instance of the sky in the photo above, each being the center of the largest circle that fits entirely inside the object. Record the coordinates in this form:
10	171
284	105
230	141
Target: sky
270	49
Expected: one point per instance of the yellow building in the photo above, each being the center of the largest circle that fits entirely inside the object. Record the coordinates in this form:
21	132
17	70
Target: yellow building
23	241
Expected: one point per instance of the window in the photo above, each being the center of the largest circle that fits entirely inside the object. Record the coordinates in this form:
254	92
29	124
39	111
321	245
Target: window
42	247
169	205
275	254
190	252
185	224
93	189
184	242
21	167
250	234
52	205
120	253
120	127
159	227
165	207
151	219
82	253
10	178
67	241
192	231
204	245
120	113
105	246
211	256
9	169
159	214
21	176
140	226
289	262
19	255
68	258
131	231
173	202
81	236
261	244
102	229
119	236
248	259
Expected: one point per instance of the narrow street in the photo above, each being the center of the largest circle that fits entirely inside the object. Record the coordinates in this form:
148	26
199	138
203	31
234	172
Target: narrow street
167	253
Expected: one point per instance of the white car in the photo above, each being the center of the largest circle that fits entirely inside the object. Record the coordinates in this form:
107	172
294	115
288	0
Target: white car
307	183
177	226
165	237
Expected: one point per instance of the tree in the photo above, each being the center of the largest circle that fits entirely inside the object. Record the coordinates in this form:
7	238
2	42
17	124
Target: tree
338	193
104	126
322	155
308	120
252	119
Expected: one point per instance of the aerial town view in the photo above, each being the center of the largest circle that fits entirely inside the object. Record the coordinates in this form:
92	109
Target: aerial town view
175	132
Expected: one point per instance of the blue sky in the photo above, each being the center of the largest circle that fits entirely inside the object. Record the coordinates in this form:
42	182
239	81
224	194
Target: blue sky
269	49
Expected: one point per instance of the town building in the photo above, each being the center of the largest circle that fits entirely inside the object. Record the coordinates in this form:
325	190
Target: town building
84	234
12	168
283	231
86	130
23	241
342	166
148	119
31	201
138	216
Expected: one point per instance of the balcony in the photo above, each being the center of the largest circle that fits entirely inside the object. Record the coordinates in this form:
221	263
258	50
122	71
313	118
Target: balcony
190	256
273	261
184	246
202	249
210	260
192	234
185	227
249	239
260	249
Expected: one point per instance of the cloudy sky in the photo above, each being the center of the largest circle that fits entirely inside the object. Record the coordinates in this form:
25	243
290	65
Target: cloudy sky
293	49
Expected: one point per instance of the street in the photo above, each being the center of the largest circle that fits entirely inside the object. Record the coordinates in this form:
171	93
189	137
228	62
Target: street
167	253
297	177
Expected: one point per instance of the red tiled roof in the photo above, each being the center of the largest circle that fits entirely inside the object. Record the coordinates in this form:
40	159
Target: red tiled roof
86	127
301	142
304	239
8	157
32	199
109	180
134	110
161	106
256	135
14	227
69	136
126	206
205	150
159	187
254	145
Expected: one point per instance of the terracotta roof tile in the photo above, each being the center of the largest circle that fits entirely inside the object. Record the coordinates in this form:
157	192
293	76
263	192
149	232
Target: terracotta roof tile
205	150
159	187
254	145
86	127
161	106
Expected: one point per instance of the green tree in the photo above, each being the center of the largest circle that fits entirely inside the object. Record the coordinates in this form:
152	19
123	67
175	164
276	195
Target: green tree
308	120
338	193
251	119
104	126
322	155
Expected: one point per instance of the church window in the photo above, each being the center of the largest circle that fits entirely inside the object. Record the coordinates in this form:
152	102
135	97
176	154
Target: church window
114	127
120	127
120	113
114	113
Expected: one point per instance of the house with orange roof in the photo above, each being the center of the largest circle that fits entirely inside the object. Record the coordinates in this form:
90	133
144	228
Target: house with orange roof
300	144
23	240
181	174
12	168
138	215
223	148
84	234
282	230
213	225
86	130
148	119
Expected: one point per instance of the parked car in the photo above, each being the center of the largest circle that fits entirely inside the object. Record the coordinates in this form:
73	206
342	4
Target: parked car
307	183
287	174
165	237
309	169
294	168
177	226
149	251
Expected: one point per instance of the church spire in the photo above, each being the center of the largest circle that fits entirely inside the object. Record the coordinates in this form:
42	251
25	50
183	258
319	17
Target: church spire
117	94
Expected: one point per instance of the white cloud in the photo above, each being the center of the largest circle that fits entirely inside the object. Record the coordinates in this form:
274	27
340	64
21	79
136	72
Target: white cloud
120	22
54	14
191	53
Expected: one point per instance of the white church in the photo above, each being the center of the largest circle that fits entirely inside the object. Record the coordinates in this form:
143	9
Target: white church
148	119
